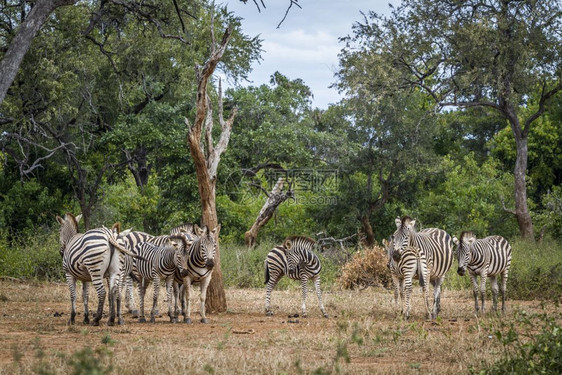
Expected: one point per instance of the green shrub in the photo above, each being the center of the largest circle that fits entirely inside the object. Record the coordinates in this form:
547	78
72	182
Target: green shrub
525	350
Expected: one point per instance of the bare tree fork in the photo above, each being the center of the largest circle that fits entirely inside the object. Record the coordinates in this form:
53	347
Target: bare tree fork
206	159
274	199
261	5
19	46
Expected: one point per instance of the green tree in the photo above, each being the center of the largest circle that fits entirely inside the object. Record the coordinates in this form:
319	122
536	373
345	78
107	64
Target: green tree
494	55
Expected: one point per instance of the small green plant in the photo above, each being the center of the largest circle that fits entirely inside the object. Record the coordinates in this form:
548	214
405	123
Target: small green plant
88	361
525	350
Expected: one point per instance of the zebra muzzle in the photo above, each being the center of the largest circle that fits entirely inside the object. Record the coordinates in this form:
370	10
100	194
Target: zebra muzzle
184	273
210	263
461	271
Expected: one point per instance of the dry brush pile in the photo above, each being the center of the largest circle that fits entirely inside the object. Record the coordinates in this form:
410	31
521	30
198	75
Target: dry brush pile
366	268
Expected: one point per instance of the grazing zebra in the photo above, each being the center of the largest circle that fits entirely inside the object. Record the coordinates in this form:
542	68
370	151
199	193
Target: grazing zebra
296	260
405	266
437	246
160	263
91	257
487	257
202	247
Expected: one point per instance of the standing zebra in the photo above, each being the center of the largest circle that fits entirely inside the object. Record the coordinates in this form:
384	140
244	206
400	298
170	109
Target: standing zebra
160	263
91	257
296	260
487	257
405	266
437	246
200	263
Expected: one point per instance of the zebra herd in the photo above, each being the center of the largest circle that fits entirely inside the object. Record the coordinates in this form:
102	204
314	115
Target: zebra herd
186	256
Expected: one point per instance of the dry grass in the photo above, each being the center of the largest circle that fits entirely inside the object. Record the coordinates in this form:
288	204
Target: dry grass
363	335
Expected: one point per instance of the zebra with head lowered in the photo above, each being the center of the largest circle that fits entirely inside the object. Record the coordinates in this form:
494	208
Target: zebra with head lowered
160	263
487	257
199	269
437	246
296	260
91	256
405	266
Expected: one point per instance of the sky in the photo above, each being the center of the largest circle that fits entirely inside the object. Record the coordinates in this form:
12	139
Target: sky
306	44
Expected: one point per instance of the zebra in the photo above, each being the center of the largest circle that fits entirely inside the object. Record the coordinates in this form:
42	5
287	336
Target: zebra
437	246
90	257
487	257
405	266
160	263
295	259
200	264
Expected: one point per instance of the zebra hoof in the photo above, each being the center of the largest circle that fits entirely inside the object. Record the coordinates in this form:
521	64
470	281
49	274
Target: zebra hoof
142	320
173	320
187	321
325	315
204	321
111	323
120	322
95	323
135	313
86	321
304	315
152	320
269	313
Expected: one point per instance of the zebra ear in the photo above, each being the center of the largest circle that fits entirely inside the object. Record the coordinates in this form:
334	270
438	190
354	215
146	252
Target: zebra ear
216	230
398	222
60	220
125	232
385	243
78	217
288	244
198	231
455	241
116	227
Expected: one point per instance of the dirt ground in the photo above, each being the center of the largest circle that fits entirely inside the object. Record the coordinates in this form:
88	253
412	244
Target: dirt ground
364	334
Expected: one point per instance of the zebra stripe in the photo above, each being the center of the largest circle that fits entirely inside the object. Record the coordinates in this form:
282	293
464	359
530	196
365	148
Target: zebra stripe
296	260
487	257
201	249
405	266
90	257
437	246
160	263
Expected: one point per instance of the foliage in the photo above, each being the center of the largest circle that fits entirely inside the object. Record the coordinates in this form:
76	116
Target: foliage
366	268
525	350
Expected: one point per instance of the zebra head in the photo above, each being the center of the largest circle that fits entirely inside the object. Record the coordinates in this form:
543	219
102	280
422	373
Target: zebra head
68	229
182	244
403	234
293	258
208	244
463	250
390	253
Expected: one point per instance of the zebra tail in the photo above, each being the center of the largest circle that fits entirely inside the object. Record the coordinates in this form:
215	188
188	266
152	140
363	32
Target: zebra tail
420	273
266	273
133	277
123	250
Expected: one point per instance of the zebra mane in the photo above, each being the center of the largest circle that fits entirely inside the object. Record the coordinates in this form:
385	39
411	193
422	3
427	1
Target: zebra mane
466	234
405	220
73	219
300	239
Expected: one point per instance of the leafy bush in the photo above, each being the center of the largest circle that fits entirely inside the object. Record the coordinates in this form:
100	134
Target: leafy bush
32	257
366	268
525	350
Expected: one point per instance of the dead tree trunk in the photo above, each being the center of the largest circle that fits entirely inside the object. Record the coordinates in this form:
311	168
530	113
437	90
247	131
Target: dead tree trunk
275	198
207	160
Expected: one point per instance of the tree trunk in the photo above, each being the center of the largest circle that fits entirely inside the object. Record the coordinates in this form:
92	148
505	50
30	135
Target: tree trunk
370	236
521	209
273	201
19	46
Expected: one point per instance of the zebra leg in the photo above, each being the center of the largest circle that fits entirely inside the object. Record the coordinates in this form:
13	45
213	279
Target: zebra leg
396	283
319	295
425	288
113	291
71	281
408	293
483	278
270	285
130	297
504	288
436	296
156	284
186	299
100	289
402	296
304	283
495	291
170	292
204	285
177	295
142	292
85	299
474	279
